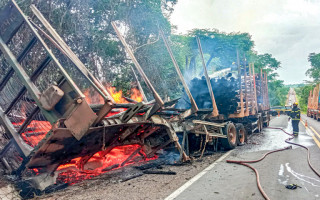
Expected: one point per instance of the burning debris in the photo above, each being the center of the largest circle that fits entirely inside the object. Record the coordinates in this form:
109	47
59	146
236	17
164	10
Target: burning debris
55	135
61	125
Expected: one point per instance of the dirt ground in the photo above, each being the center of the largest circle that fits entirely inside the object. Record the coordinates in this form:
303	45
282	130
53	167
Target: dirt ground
114	184
147	186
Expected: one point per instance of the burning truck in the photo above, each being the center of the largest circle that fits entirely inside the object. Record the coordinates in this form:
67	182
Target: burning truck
52	131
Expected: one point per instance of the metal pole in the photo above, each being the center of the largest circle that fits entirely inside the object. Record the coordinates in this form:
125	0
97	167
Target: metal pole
137	65
215	111
139	86
193	103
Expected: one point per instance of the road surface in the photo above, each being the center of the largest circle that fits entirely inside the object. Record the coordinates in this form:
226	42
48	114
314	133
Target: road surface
232	181
291	97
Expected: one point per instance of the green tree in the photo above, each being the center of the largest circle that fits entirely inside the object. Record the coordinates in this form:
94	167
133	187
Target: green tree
314	71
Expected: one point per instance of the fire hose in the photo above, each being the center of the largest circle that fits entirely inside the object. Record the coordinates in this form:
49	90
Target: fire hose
244	162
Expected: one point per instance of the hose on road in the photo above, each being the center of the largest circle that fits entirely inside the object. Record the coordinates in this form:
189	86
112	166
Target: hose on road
244	162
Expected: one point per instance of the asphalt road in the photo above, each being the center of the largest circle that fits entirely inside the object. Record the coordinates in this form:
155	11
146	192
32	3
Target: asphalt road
291	97
232	181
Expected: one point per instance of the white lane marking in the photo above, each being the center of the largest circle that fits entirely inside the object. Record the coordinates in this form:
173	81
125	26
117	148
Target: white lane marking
197	177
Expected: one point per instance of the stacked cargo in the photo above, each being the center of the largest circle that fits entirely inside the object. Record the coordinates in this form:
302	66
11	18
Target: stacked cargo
313	103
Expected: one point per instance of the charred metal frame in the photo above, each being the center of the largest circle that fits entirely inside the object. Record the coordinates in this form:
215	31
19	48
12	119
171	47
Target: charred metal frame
77	129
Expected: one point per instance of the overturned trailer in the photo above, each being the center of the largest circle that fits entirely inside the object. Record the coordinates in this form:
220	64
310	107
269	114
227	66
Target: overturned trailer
45	119
49	125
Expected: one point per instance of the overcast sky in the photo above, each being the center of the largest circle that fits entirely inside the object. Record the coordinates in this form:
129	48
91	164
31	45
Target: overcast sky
288	29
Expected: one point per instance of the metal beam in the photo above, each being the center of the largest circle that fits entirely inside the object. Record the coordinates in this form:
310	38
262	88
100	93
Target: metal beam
137	65
33	77
194	106
22	147
72	56
215	111
55	60
23	76
139	86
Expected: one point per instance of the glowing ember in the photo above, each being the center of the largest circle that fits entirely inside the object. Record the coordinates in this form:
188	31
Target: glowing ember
99	164
35	131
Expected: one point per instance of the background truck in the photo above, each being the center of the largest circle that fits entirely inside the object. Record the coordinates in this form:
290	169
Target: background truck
313	103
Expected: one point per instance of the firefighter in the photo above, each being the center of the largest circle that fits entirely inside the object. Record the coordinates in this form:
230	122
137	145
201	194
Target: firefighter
295	116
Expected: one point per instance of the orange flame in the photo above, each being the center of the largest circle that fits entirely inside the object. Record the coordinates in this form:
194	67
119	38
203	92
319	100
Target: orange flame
136	95
93	97
117	95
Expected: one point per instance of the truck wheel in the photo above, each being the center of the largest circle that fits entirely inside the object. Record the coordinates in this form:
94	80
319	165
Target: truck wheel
241	134
231	141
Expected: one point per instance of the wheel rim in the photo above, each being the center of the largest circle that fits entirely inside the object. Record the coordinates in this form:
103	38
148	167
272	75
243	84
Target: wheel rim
232	133
241	136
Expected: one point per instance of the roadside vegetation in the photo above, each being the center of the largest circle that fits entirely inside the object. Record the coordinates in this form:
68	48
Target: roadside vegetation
313	72
86	27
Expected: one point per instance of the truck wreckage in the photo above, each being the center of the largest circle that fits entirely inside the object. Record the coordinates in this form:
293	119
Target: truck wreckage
48	124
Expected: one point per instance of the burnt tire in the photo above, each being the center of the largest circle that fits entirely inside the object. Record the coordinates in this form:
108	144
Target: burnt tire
231	132
241	134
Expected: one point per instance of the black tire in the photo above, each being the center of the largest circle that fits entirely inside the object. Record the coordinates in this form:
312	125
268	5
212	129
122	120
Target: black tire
231	132
241	134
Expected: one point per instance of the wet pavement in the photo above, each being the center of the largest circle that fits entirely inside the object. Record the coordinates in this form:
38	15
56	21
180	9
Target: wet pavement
232	181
